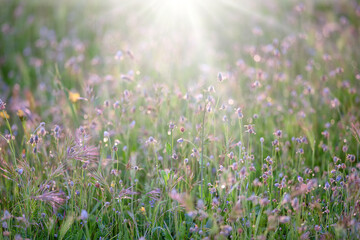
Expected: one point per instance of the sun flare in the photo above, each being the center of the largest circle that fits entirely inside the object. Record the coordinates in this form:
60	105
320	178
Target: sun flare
175	10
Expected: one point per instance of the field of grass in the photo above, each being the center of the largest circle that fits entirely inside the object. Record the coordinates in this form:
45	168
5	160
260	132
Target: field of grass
168	119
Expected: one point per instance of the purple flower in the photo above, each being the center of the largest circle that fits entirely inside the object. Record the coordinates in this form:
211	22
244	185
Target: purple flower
2	105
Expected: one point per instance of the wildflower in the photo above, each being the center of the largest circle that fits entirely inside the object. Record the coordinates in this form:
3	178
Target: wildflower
208	108
256	84
239	113
343	166
286	199
84	215
200	204
275	142
2	105
317	228
118	55
116	104
257	182
351	157
252	168
305	235
20	113
250	129
300	179
262	140
106	134
243	172
325	134
56	129
151	140
264	201
6	216
295	203
180	140
345	148
284	219
194	152
18	237
234	166
4	114
127	93
278	133
220	77
334	103
226	230
42	131
106	103
211	89
5	225
74	97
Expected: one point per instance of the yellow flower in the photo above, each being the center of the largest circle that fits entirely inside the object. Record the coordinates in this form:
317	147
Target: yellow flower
74	97
142	210
21	114
4	114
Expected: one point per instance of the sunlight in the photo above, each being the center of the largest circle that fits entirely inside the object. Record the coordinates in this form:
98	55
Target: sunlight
175	10
175	15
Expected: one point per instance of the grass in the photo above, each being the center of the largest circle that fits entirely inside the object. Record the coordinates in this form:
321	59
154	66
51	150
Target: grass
225	120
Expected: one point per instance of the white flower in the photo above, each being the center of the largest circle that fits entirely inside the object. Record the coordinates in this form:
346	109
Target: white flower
84	215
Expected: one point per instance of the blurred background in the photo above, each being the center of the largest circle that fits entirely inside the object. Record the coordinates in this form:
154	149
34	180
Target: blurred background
185	44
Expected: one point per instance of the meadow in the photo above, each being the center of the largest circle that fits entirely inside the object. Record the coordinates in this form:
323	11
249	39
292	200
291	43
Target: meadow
167	119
